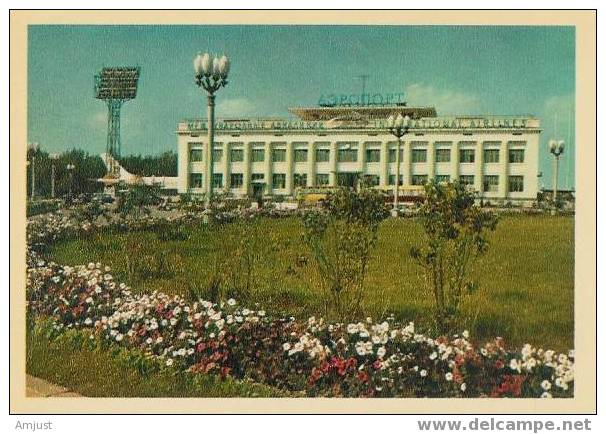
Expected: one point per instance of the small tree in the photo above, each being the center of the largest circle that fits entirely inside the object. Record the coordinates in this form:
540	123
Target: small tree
341	236
455	231
138	197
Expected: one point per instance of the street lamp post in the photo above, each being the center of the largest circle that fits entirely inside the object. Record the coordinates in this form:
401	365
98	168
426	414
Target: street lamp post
70	169
53	158
211	74
34	147
556	147
398	126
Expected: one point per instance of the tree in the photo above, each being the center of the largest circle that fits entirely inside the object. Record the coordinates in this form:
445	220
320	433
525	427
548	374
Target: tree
341	236
455	231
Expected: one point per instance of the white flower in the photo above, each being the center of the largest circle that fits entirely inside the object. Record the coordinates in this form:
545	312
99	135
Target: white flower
466	336
231	302
119	337
286	346
448	376
463	387
381	352
433	356
546	385
423	373
352	328
169	362
513	365
546	395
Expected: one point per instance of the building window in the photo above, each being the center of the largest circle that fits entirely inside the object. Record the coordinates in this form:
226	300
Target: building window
392	180
300	155
257	177
322	179
516	183
419	155
236	155
258	155
467	180
442	155
195	155
491	183
491	156
217	155
300	179
279	180
467	155
371	180
419	179
443	178
373	155
322	155
195	180
392	155
236	180
278	155
348	155
516	155
217	180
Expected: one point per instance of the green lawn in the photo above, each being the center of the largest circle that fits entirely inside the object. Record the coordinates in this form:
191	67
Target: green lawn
526	278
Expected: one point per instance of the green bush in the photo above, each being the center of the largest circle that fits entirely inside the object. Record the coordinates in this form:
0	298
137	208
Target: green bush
455	233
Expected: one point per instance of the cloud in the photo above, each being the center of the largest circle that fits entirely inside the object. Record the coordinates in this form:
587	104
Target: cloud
446	102
557	116
236	107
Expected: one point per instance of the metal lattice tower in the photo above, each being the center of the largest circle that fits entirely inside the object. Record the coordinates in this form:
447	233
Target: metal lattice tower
115	86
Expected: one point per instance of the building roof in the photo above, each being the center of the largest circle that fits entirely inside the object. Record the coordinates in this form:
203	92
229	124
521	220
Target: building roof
361	112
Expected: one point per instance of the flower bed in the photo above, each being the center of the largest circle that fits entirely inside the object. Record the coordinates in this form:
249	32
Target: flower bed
365	359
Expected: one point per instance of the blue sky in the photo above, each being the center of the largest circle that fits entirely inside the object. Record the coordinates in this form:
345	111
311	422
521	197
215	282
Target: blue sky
458	69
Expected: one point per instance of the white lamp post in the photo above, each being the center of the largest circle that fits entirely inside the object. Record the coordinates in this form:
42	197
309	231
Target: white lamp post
53	158
211	74
70	169
398	126
33	147
556	147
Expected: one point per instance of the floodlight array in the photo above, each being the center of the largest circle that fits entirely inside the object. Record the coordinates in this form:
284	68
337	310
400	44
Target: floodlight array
118	83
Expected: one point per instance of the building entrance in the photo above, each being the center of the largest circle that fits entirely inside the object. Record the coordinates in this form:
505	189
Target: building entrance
348	179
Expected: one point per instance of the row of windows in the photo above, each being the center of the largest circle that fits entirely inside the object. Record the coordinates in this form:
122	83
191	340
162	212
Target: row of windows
490	183
372	155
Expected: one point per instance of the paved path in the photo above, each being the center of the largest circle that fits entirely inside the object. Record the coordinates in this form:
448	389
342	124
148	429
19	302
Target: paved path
38	388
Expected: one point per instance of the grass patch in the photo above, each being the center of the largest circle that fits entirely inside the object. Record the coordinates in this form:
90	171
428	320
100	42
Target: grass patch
72	362
526	279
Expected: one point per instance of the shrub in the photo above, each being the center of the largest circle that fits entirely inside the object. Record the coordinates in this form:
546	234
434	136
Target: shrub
455	231
341	236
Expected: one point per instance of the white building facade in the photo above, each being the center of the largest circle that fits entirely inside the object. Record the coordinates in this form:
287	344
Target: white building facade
497	156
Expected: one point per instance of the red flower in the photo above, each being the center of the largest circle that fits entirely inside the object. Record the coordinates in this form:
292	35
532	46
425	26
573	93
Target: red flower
363	376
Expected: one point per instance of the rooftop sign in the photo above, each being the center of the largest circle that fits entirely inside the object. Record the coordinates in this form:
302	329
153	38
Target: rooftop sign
363	99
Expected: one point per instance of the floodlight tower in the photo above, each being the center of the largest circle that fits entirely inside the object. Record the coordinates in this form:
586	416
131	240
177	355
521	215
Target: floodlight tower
115	85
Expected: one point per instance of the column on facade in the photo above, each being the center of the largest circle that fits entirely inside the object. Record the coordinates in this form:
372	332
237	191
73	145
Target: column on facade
311	164
362	159
268	168
289	168
183	170
384	174
454	161
479	173
407	160
226	166
503	177
334	158
247	166
431	159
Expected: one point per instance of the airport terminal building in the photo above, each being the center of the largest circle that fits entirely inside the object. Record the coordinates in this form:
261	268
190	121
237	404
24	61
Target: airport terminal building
324	147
